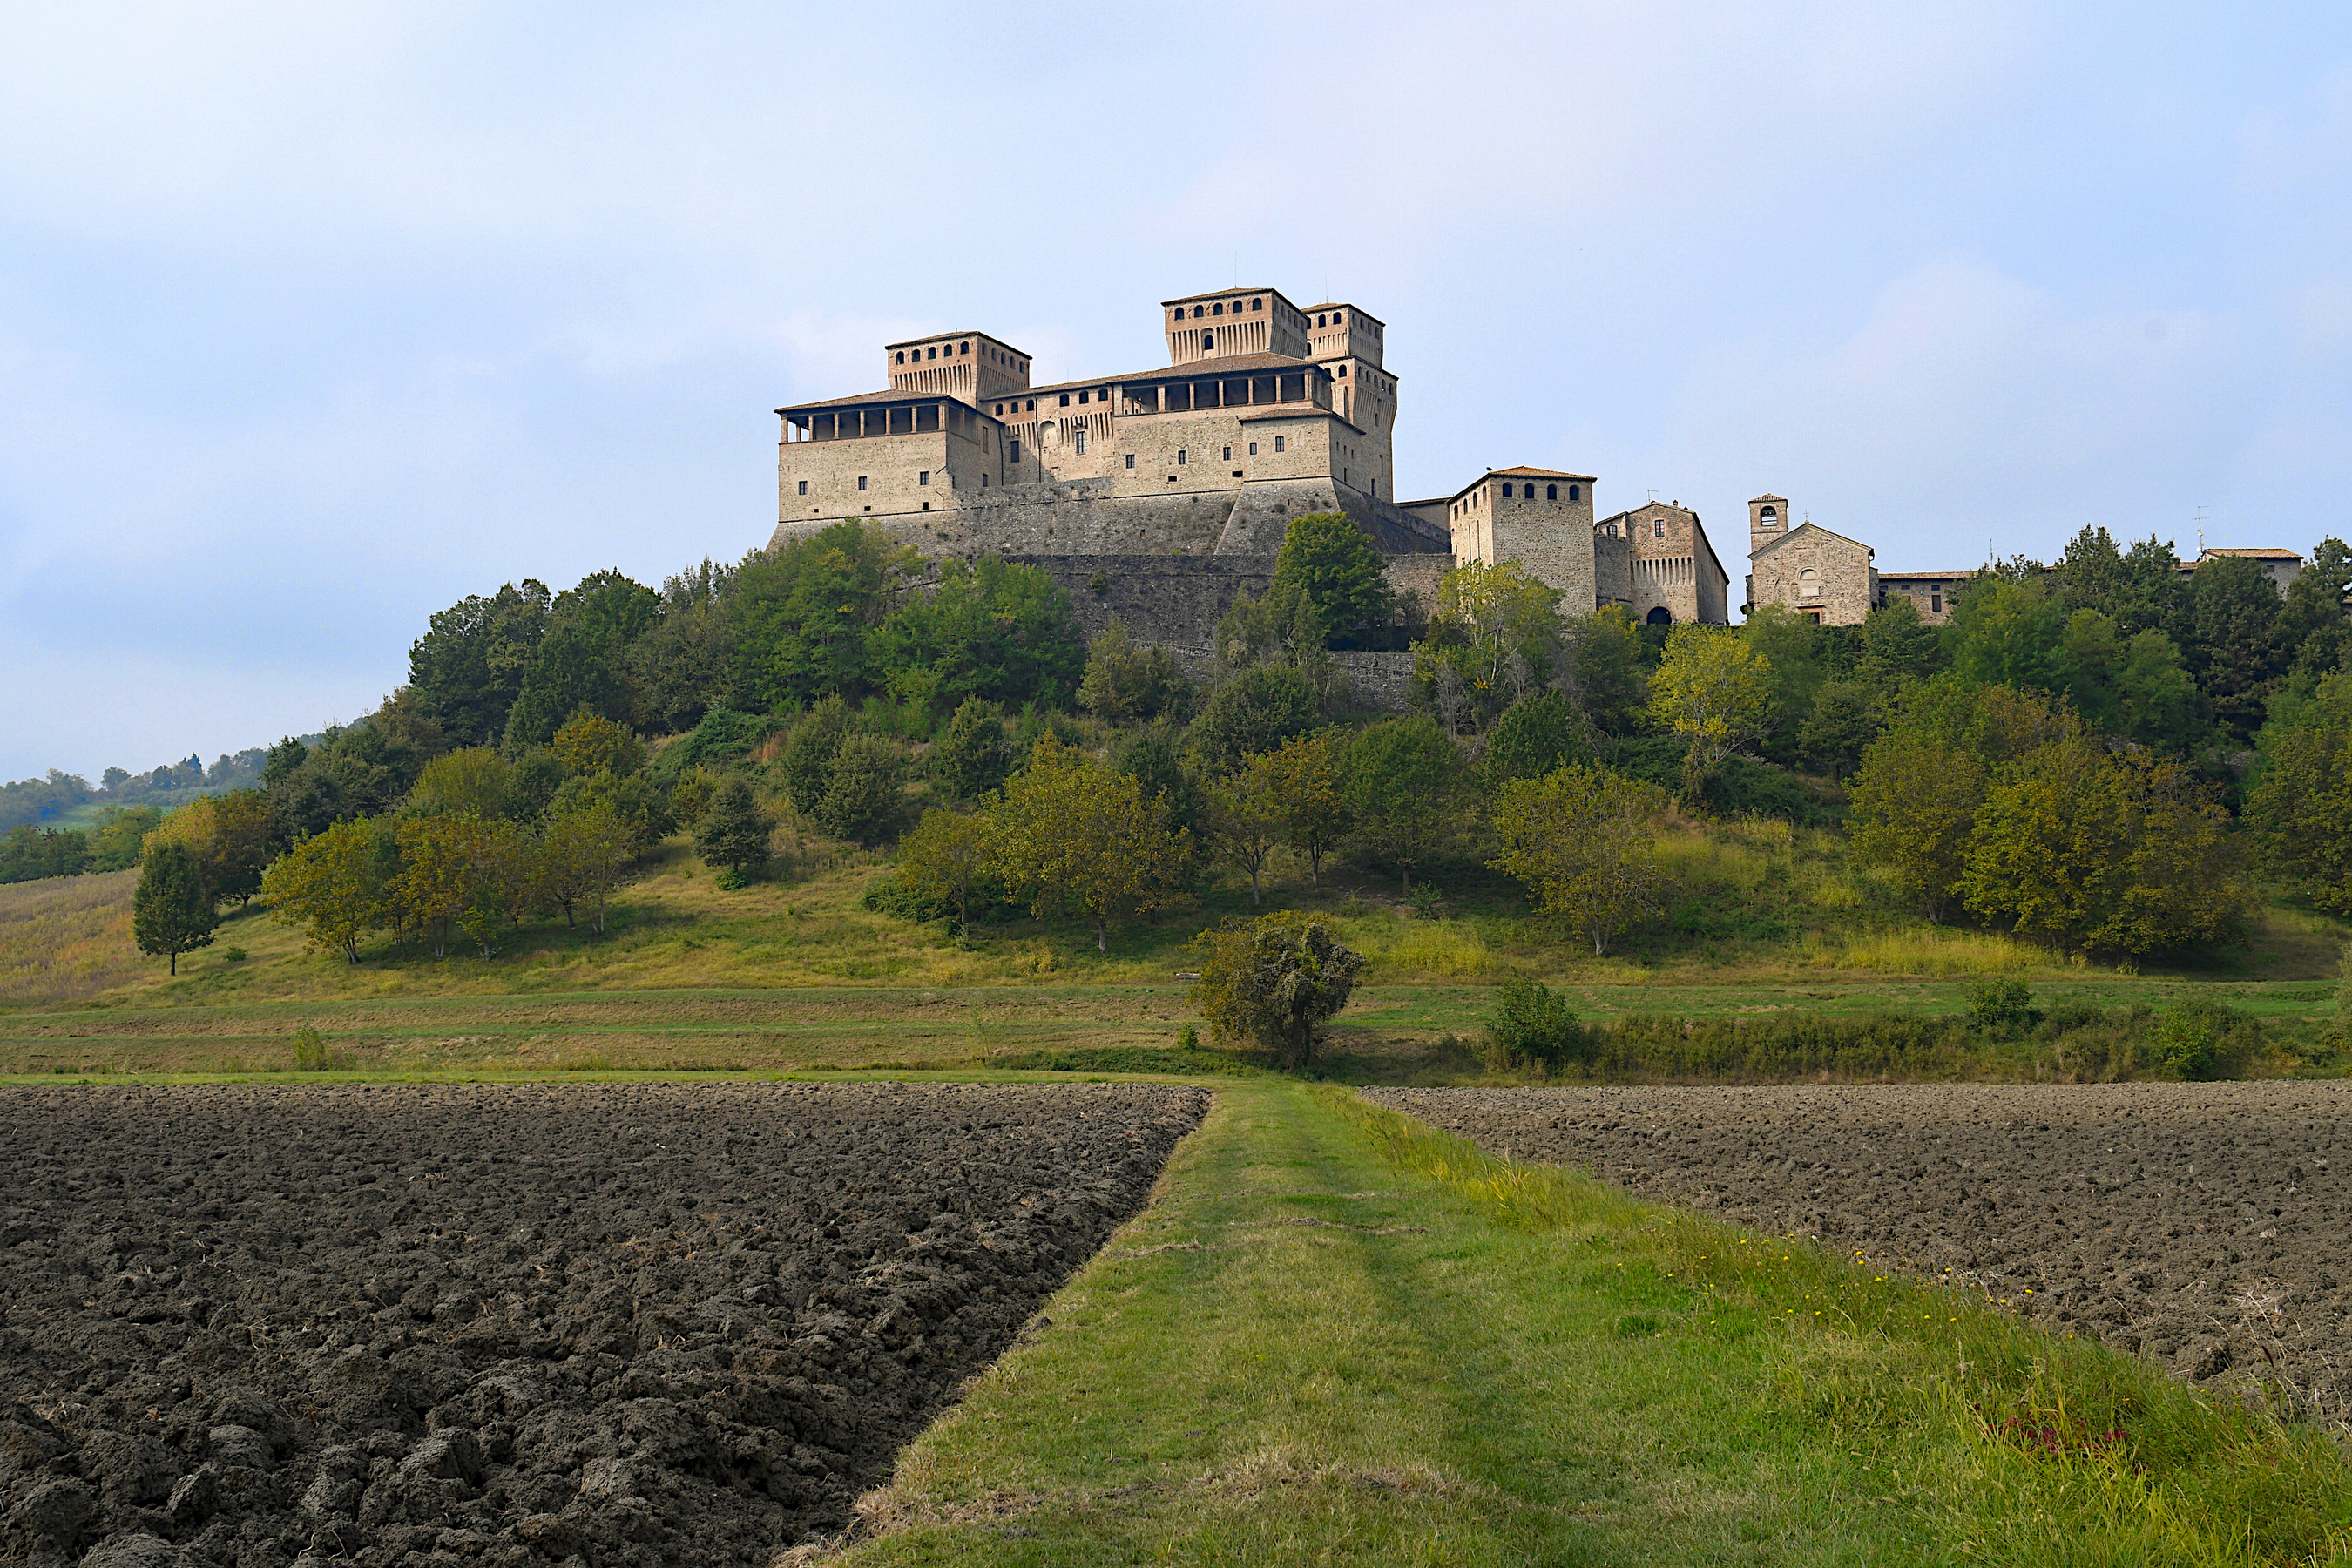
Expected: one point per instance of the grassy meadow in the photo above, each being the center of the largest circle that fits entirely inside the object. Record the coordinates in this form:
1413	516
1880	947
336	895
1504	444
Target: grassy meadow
799	973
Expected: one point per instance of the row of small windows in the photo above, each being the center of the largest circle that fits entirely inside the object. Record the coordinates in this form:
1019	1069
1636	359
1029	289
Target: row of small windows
1518	493
958	350
1218	309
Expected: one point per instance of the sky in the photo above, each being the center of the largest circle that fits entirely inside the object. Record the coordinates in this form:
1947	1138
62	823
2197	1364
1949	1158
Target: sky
314	320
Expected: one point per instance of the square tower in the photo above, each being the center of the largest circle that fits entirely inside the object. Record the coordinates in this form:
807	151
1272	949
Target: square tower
1540	518
1233	321
1767	519
966	366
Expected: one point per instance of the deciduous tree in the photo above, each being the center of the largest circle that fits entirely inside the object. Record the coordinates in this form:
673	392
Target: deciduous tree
1246	816
1309	790
172	911
1076	835
1128	683
1404	791
1328	564
1584	840
945	857
733	832
333	884
1490	642
1274	980
582	857
1711	689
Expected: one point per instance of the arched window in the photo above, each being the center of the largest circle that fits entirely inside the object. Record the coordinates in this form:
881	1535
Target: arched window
1573	493
1660	617
1208	341
1322	321
1551	492
1257	304
1770	514
902	356
1343	370
963	348
1507	492
931	352
1199	311
1808	584
1218	309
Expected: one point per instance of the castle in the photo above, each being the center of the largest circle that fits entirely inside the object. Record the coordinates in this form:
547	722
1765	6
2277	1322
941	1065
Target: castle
1156	496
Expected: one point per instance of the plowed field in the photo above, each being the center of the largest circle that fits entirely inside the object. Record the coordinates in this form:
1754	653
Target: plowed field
2206	1225
617	1323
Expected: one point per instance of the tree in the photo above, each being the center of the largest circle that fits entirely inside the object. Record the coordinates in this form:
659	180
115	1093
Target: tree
1604	669
1154	757
469	666
809	752
29	854
582	856
475	780
990	628
1254	711
1075	834
333	883
2233	640
229	836
1128	683
581	661
2312	623
1898	649
1274	980
864	789
2301	805
945	857
1839	725
2009	632
1913	805
637	800
1711	689
1246	816
440	873
119	835
680	669
591	744
1308	770
733	832
1404	789
805	611
1793	648
973	756
1328	564
2124	852
172	912
1489	642
1535	735
1584	841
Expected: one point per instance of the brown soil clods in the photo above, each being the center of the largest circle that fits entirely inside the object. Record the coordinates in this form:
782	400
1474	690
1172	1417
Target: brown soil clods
2209	1226
597	1323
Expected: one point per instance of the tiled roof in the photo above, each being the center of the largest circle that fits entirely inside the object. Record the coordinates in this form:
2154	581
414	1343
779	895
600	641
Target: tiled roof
1538	473
1199	370
2254	554
1225	294
1778	541
960	332
1923	576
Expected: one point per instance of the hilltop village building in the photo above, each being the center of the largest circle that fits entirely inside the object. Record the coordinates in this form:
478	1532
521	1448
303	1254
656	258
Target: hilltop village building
1156	495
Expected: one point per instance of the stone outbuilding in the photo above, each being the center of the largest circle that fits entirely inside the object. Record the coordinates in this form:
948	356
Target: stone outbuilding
2281	567
1930	593
1656	560
1816	572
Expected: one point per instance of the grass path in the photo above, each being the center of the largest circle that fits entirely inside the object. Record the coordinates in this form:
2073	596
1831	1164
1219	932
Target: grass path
1339	1337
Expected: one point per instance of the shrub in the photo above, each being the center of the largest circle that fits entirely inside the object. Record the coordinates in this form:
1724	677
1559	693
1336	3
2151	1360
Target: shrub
1533	1026
1126	682
1256	711
2002	1007
733	832
310	1053
2192	1036
723	735
973	756
1274	981
809	753
864	789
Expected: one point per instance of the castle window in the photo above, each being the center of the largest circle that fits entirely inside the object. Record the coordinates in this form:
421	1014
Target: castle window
803	487
1082	397
1017	451
1229	455
1199	311
983	481
1253	449
1032	406
1343	370
1808	584
861	481
1319	322
1572	492
1507	492
1079	441
1220	309
1000	408
1257	304
927	506
1208	341
1278	442
923	477
1935	603
963	348
1770	514
1657	528
902	356
1551	492
1180	457
932	352
1130	459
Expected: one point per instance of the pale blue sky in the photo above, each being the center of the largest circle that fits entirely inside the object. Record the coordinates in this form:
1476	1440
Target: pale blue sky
314	319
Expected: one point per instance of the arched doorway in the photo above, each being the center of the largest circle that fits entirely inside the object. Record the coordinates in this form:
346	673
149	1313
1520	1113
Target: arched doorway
1661	616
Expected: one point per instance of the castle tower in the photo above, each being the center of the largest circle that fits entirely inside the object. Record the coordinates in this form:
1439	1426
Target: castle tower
966	366
1347	341
1234	322
1767	519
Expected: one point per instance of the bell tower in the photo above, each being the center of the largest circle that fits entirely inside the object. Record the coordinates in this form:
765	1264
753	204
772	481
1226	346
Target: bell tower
1767	519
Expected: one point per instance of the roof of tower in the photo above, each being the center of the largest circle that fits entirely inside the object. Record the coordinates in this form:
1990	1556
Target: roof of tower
1212	369
1538	473
1754	499
1344	305
1227	294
